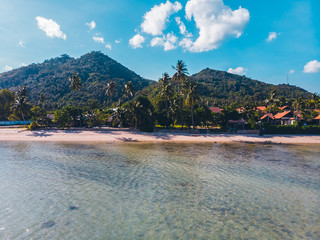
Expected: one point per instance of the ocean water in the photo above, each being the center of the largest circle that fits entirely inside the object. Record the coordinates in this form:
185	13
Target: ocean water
159	191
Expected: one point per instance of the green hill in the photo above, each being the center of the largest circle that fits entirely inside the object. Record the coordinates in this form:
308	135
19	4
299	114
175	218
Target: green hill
97	70
51	78
221	88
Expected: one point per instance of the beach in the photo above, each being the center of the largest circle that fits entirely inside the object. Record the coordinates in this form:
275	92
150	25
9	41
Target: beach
117	136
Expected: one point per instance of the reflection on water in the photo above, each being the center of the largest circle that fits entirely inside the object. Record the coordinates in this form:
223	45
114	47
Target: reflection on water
159	191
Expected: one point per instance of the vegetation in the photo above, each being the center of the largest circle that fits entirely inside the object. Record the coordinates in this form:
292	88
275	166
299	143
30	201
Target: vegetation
103	92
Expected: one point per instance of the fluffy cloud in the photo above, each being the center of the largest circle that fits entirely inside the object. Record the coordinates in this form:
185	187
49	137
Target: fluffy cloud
91	25
21	43
272	36
98	39
155	20
215	22
117	41
168	42
108	46
136	41
50	27
182	27
291	71
238	71
7	68
312	67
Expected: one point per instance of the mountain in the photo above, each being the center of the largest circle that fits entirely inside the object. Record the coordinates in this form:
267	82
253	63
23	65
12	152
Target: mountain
51	78
220	87
97	69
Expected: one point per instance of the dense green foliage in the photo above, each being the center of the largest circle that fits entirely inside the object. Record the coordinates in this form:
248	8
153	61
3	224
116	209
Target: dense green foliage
219	88
50	78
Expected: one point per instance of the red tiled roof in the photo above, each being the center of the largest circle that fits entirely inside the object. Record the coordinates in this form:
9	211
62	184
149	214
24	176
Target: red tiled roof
266	115
317	118
284	107
317	110
281	115
261	108
215	109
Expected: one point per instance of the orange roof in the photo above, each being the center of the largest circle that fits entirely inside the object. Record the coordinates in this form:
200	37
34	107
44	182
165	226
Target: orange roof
317	110
281	115
261	108
284	107
266	115
317	118
215	109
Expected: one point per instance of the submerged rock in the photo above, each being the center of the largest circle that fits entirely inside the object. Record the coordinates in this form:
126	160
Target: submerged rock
71	208
48	224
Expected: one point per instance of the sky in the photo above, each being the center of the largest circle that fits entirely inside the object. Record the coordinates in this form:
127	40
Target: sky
272	41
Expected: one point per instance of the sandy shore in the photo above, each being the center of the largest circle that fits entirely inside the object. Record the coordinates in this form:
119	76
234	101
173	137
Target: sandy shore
109	136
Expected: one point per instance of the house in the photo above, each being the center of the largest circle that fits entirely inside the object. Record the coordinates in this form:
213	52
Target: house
284	108
285	118
216	109
261	108
267	117
317	118
241	109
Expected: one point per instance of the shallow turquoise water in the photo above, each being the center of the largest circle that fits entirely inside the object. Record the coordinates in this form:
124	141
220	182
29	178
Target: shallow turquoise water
159	191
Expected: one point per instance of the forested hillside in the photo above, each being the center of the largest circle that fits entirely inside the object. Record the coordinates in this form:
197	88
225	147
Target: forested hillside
95	69
223	88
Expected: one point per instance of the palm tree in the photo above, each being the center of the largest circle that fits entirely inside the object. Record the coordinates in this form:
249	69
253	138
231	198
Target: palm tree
271	102
129	89
111	87
76	85
190	88
20	103
181	73
75	82
166	88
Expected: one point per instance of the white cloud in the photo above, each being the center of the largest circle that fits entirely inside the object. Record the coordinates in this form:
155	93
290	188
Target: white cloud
168	42
215	22
292	71
108	46
186	43
50	27
238	71
182	27
91	25
7	68
117	41
155	20
136	41
272	36
312	67
21	43
24	64
98	39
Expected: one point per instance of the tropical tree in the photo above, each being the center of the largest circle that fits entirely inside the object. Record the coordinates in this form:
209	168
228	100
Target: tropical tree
271	102
190	89
111	87
75	81
75	85
42	98
129	90
166	90
20	104
180	74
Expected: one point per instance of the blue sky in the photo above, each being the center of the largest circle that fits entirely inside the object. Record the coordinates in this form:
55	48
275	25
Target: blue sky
264	40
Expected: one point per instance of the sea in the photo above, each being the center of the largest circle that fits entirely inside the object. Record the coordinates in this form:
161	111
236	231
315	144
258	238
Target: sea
159	191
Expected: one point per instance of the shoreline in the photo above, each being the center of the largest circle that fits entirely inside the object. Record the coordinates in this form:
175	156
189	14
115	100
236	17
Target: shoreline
130	136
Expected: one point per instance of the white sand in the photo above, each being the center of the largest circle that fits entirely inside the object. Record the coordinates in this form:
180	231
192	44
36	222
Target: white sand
109	136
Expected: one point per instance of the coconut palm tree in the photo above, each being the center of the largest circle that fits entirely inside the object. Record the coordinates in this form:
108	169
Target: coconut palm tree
166	90
190	89
111	87
271	102
129	89
75	81
180	74
20	103
75	85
